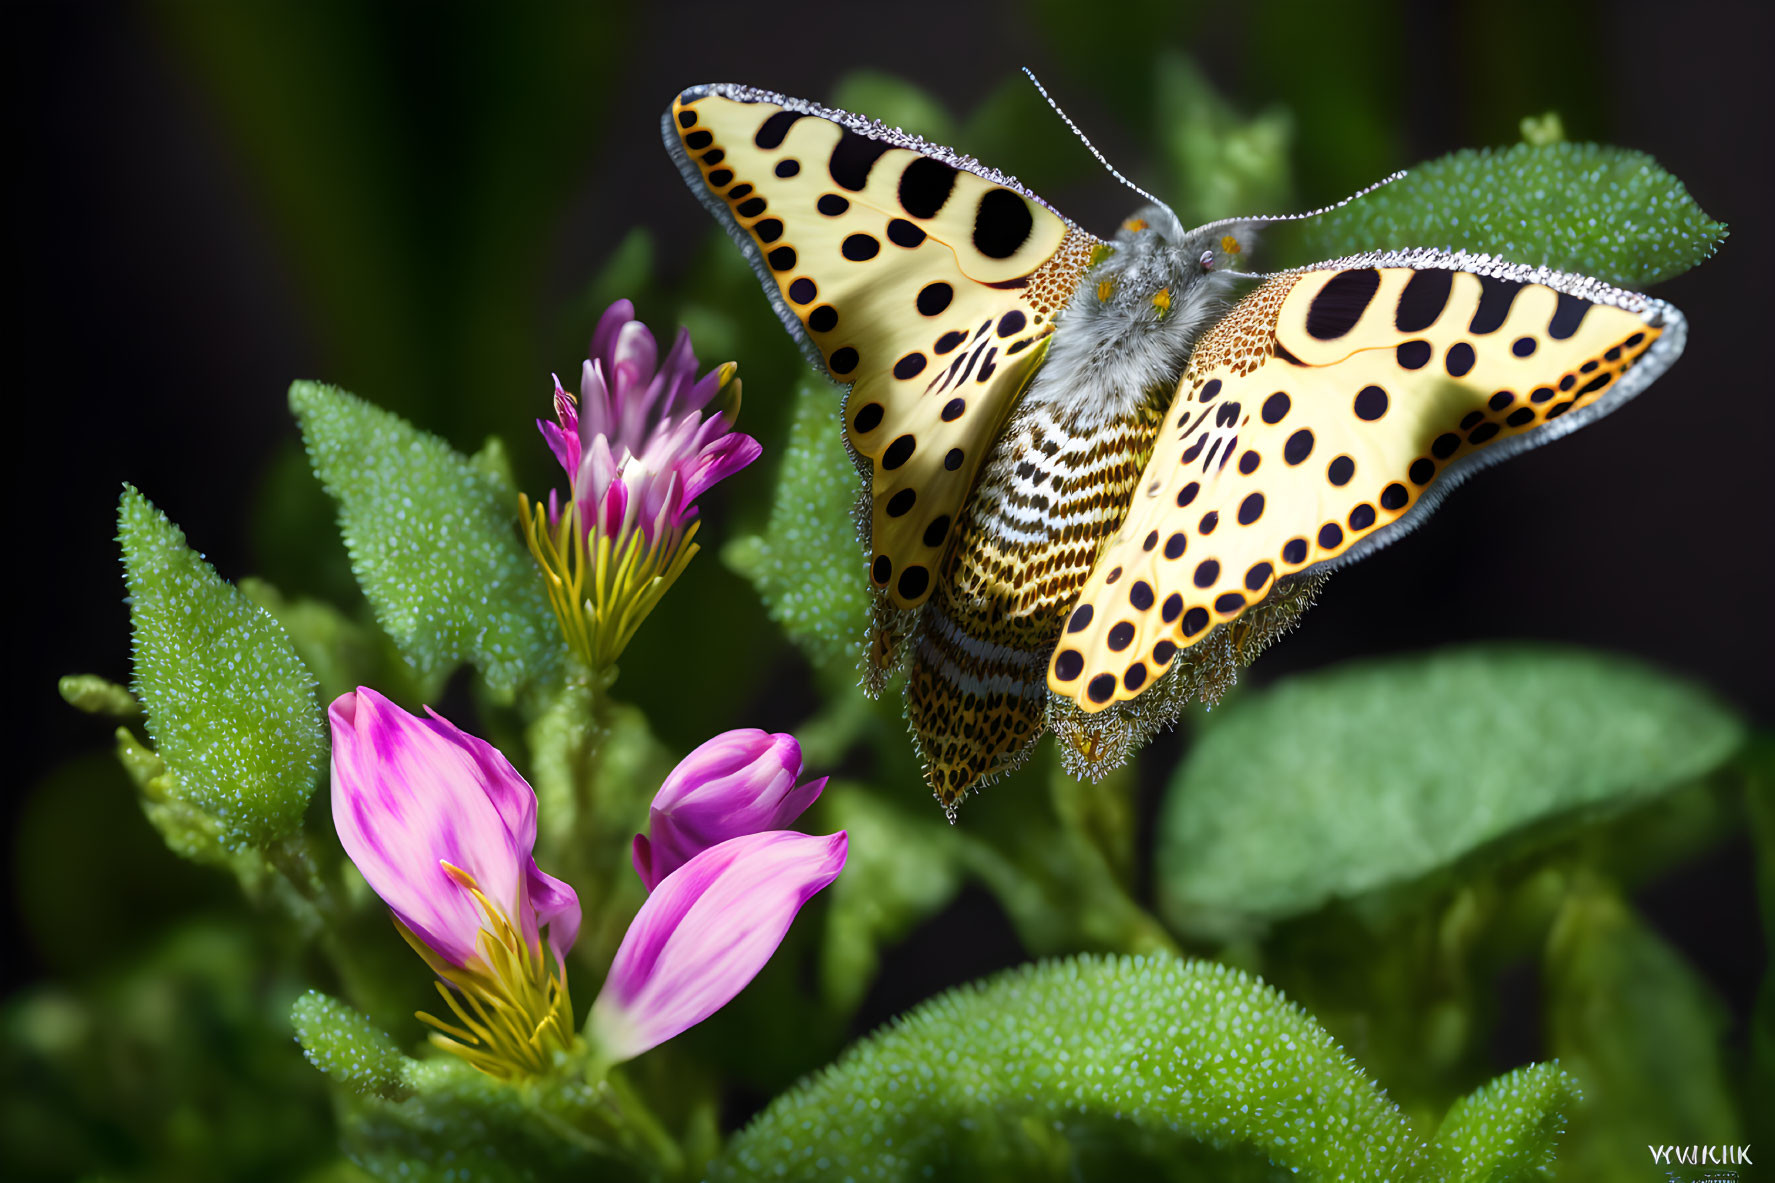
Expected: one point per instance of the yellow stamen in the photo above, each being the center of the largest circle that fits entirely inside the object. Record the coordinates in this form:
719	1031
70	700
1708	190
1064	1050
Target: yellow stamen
1134	225
1104	288
603	588
1229	245
1162	300
1100	252
513	1013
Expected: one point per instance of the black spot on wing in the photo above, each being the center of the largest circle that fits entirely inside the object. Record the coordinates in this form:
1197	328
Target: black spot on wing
772	131
1002	223
1567	317
852	159
1424	298
925	186
1341	302
1495	297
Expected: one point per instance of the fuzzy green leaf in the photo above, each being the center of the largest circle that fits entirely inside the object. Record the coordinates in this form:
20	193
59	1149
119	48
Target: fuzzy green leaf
433	541
230	707
349	1048
1508	1129
1372	776
1042	1069
1597	210
1127	1067
809	566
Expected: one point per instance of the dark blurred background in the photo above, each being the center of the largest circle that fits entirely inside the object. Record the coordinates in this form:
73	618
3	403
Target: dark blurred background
412	201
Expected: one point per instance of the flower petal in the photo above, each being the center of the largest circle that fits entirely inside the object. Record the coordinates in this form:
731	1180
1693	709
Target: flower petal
409	796
609	325
563	437
720	460
556	907
740	782
705	932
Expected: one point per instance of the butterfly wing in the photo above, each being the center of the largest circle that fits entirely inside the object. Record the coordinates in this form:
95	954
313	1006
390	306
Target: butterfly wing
926	281
1327	414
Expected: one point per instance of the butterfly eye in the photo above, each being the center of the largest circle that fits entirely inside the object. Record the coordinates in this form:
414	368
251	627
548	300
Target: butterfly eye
1207	260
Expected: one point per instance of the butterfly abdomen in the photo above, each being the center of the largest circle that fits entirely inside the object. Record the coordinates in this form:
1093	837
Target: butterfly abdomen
1051	491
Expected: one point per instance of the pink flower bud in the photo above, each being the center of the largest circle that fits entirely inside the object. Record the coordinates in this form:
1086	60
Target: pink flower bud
740	782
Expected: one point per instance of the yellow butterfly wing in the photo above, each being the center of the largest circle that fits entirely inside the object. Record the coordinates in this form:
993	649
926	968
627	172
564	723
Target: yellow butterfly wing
926	281
1325	415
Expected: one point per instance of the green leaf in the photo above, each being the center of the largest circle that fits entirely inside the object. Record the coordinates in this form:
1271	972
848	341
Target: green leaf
230	707
1642	1030
1063	1069
1507	1129
1596	210
350	1049
1375	775
433	542
98	696
172	1063
809	566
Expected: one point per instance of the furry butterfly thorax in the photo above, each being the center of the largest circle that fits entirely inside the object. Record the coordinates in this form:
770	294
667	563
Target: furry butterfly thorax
1101	475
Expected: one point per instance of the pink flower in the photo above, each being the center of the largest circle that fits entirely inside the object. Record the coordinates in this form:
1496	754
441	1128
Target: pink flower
644	440
705	932
413	798
638	447
740	782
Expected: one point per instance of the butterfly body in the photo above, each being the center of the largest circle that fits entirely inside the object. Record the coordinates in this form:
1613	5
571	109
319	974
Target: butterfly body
1053	488
1098	476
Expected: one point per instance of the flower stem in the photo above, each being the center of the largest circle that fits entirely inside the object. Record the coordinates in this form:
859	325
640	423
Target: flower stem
635	1118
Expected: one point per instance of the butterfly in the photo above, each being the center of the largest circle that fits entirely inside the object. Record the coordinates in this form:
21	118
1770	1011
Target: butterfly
1100	475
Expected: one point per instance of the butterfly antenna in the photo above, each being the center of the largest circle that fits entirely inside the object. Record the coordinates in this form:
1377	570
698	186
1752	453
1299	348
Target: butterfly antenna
1312	213
1086	141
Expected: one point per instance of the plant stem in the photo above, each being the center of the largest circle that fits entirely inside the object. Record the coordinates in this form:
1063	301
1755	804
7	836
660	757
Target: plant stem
637	1118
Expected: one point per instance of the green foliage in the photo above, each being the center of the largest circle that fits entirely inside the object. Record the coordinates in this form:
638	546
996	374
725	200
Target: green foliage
175	1064
230	707
1379	774
1048	1070
459	1124
1634	1022
1221	164
346	1046
1607	212
433	543
901	870
1508	1129
343	653
98	696
808	565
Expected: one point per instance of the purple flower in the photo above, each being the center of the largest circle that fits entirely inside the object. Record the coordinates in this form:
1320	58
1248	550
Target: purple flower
639	447
705	932
740	782
444	830
644	440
